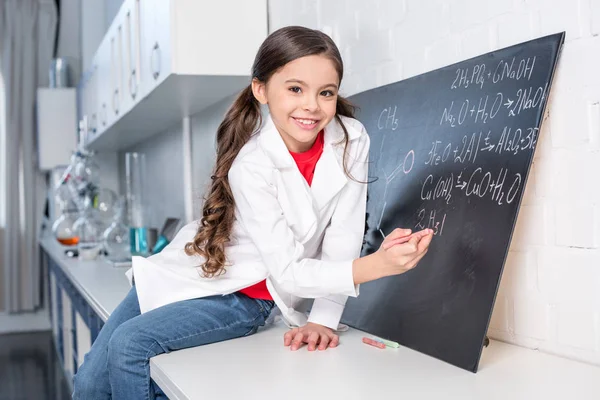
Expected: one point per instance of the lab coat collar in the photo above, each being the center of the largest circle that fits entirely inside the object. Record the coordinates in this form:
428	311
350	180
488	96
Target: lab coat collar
329	177
277	151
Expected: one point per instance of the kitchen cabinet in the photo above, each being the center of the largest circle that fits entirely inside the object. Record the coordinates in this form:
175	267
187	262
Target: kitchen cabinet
163	60
75	325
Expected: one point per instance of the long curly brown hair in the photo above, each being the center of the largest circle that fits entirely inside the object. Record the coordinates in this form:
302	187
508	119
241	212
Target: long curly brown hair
240	122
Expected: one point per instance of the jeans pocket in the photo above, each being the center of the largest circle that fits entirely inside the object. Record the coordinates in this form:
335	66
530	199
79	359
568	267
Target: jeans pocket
252	331
265	307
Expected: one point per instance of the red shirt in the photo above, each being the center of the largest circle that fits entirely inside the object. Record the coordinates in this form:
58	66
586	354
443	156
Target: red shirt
306	163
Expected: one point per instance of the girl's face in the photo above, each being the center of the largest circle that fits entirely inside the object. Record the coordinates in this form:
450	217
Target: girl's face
302	98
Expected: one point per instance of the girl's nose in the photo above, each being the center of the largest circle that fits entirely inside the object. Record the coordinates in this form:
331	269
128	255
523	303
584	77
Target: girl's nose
310	104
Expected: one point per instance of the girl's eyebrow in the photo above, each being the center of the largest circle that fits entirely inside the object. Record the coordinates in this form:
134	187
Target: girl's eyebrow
305	84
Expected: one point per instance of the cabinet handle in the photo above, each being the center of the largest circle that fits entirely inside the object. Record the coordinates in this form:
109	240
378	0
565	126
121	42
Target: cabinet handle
133	84
103	114
138	45
115	101
155	61
93	122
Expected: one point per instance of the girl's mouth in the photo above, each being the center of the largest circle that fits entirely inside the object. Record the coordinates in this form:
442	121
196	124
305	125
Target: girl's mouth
306	124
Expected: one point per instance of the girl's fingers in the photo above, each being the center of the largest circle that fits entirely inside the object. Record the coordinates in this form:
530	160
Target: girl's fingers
335	340
313	338
289	335
324	342
421	234
415	237
394	242
397	233
297	342
425	242
416	260
413	242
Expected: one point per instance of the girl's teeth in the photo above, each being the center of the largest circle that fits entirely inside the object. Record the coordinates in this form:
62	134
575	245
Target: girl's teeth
306	121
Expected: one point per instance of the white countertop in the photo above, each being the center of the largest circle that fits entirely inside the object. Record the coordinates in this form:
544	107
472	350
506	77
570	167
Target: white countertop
260	367
102	285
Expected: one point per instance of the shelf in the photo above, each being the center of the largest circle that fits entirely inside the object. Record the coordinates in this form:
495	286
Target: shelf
178	96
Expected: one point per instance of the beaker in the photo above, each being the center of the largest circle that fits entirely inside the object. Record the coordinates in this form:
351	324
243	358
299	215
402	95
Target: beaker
135	175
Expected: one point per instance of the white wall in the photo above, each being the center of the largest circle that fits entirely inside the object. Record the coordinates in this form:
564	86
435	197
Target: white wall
204	128
549	297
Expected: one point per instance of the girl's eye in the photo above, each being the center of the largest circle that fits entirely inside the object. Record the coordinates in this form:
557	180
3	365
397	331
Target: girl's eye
327	93
295	89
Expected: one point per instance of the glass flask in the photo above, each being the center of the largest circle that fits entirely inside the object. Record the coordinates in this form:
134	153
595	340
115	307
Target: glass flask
104	202
66	188
89	229
86	171
116	236
64	230
79	179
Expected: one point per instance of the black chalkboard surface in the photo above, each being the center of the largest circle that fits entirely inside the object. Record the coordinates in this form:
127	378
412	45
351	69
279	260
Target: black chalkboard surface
450	150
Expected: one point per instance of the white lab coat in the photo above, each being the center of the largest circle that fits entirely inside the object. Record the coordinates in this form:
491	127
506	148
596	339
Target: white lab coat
302	239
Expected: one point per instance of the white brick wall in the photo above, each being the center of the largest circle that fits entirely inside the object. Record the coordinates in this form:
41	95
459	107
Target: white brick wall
549	297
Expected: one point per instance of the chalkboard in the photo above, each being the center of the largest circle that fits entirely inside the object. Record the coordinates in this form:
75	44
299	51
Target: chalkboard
450	150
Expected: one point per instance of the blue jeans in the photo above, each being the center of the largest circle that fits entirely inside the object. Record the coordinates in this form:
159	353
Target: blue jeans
117	366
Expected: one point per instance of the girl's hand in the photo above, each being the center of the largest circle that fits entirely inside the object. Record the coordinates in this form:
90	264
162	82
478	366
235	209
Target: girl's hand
313	335
402	250
397	236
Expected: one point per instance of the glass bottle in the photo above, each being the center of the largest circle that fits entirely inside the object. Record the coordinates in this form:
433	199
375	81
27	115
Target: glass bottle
116	236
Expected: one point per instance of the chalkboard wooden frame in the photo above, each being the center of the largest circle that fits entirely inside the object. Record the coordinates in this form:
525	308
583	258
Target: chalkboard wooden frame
451	150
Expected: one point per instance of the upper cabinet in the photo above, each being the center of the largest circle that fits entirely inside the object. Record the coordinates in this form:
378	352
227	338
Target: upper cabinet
158	17
162	60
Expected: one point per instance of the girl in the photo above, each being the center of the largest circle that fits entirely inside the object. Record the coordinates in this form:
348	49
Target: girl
283	222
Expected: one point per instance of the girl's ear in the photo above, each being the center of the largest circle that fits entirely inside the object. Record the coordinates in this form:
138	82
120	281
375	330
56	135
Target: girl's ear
259	89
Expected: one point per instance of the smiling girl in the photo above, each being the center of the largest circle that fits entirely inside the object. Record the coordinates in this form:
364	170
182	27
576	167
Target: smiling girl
282	225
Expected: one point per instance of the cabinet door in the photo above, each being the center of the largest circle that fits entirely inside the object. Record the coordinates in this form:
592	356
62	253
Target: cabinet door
104	84
82	94
88	98
156	42
54	304
84	338
132	42
116	71
67	334
92	100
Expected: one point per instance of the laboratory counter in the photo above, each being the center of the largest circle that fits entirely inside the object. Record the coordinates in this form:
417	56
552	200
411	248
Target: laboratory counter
260	367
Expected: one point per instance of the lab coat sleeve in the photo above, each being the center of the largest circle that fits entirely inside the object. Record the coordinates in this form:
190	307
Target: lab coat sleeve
344	236
259	212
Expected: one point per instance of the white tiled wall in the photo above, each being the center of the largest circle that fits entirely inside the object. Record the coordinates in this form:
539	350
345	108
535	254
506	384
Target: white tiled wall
550	292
